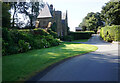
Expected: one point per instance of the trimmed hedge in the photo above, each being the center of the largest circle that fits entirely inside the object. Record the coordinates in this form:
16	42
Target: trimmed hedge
18	41
81	35
110	33
66	38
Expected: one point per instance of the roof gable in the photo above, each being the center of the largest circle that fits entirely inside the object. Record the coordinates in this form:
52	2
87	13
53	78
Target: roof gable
45	13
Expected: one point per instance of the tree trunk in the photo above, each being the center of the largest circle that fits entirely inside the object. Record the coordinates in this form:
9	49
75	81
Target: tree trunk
13	23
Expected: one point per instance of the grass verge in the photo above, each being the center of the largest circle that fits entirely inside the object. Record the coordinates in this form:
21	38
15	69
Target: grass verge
21	66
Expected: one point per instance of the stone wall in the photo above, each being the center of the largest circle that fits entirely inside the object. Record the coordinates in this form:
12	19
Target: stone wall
43	22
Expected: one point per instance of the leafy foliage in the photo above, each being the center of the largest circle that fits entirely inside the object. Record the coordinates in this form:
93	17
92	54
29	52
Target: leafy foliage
29	10
111	13
24	46
110	33
81	35
91	22
67	38
5	15
54	34
54	27
15	41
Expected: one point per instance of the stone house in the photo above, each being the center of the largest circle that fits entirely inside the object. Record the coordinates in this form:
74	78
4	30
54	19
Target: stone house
48	16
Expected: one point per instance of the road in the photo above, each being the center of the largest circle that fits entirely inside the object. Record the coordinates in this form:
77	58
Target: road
101	65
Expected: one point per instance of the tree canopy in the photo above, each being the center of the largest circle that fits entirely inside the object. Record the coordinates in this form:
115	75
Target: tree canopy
28	10
111	13
5	15
91	22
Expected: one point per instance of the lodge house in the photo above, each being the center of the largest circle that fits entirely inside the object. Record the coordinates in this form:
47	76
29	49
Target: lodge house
48	16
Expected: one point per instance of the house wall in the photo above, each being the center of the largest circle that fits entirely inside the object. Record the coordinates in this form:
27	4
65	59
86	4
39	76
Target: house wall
57	18
43	22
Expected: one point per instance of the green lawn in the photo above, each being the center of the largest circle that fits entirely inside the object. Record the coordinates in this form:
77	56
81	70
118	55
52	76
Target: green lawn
81	40
21	66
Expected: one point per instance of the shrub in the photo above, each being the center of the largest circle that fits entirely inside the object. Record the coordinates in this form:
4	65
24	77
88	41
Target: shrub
13	49
24	46
45	43
67	38
8	45
54	42
110	33
41	32
54	34
81	35
38	44
51	40
15	41
6	35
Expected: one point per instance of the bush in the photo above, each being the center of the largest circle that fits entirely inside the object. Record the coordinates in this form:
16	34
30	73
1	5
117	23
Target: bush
110	33
41	32
67	38
81	35
16	41
13	49
24	46
38	44
54	34
8	45
52	41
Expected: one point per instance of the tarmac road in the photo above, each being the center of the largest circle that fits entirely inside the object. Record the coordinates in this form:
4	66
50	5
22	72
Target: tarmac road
101	65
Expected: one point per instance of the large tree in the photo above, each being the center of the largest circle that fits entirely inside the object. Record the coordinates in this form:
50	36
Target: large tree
111	13
91	22
28	10
5	15
15	7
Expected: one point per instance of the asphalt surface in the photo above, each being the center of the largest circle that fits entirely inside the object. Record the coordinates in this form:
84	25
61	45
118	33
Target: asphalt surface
101	65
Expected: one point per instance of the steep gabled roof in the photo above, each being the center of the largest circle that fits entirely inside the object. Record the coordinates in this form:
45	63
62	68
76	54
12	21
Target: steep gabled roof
45	13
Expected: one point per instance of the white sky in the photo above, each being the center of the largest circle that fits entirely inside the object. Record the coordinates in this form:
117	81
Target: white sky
77	9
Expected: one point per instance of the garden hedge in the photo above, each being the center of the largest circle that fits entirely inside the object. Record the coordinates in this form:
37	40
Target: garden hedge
110	33
81	35
18	41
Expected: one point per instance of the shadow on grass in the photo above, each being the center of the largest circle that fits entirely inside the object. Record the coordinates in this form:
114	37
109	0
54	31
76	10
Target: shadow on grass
23	66
106	59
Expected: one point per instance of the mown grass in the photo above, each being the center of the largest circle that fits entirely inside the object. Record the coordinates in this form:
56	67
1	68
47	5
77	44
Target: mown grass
21	66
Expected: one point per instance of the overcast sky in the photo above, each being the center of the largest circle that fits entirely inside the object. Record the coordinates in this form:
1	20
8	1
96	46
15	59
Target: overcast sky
77	9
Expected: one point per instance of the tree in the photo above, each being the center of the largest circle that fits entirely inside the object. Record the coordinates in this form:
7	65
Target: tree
111	13
91	22
15	7
83	25
29	10
5	15
54	27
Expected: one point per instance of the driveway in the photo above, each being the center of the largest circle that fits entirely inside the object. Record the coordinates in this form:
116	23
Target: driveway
101	65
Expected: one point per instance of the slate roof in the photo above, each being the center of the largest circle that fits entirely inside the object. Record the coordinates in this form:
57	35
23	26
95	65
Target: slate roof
45	12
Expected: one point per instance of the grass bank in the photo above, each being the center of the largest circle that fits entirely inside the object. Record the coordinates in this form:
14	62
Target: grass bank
21	66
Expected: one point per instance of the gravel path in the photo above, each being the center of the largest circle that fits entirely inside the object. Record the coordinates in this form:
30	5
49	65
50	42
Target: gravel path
101	65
